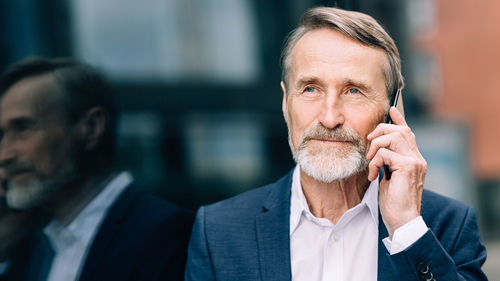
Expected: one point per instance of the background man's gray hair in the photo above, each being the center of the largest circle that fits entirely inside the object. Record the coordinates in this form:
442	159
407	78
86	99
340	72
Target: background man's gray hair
360	27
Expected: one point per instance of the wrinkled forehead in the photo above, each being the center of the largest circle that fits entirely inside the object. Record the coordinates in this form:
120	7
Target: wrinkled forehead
339	41
331	54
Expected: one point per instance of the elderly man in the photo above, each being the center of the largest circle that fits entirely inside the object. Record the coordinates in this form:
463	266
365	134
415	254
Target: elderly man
321	221
56	153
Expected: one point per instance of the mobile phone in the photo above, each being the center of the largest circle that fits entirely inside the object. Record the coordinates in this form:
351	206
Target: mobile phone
396	101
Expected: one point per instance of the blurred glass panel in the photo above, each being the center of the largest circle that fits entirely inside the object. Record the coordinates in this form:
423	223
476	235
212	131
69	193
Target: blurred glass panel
425	74
210	41
421	16
140	137
225	146
444	145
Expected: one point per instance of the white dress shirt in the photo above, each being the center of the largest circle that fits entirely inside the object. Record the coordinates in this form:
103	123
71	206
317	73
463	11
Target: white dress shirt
348	250
72	242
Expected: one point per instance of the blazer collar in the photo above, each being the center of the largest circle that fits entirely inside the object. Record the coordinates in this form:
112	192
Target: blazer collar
107	231
279	193
272	228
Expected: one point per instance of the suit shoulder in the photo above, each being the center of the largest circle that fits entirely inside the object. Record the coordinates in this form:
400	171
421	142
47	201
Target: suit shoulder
158	207
143	236
248	199
434	202
151	212
250	202
442	213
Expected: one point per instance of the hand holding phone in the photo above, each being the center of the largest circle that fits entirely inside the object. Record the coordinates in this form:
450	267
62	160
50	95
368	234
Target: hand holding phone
396	101
395	146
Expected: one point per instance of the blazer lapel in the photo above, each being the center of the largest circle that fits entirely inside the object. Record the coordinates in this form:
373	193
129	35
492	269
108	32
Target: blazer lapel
106	232
273	232
38	265
273	236
385	269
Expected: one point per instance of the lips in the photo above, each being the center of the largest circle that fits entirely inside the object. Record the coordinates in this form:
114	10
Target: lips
329	140
9	175
332	141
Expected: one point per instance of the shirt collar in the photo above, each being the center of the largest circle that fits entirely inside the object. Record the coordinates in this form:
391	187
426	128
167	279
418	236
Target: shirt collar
83	227
299	206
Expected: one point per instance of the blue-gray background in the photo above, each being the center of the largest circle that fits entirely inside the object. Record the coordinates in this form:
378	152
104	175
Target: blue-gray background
197	83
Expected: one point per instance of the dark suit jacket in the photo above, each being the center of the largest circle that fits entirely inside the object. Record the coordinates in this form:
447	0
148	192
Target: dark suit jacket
247	238
141	238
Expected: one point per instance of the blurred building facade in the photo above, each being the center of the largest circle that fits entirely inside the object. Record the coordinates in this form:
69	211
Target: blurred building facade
198	85
462	39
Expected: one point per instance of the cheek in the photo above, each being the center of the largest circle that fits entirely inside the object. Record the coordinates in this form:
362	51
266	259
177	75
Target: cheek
300	117
51	154
33	150
364	122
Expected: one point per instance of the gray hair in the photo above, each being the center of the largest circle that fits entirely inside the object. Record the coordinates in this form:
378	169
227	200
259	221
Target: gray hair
358	26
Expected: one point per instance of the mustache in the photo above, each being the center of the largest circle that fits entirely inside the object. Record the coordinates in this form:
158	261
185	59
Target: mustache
12	168
336	134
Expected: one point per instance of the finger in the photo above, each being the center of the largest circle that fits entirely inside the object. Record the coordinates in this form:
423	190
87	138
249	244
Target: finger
384	129
399	141
383	156
397	117
385	141
380	130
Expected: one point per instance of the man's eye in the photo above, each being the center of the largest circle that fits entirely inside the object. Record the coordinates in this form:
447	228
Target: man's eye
309	89
20	129
353	91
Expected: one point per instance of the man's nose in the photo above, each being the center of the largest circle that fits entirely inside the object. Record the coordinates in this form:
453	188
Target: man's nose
331	114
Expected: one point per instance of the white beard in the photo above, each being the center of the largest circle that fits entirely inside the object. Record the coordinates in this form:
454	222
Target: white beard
327	163
26	194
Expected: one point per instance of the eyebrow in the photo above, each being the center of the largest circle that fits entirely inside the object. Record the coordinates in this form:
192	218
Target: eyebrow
362	85
306	81
21	122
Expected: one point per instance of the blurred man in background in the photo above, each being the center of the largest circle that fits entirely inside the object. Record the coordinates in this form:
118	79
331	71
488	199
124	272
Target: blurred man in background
321	221
58	126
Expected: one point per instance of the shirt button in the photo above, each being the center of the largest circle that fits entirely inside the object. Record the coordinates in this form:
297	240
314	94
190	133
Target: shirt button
336	238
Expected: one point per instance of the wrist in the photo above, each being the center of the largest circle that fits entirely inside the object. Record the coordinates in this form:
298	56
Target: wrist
406	235
402	220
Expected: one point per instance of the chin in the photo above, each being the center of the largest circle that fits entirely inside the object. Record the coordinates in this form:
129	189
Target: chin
329	165
29	192
26	194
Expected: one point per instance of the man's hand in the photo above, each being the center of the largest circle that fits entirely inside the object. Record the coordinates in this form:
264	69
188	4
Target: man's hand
395	146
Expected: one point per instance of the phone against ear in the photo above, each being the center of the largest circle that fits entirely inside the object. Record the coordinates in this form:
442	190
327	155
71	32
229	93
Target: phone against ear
397	101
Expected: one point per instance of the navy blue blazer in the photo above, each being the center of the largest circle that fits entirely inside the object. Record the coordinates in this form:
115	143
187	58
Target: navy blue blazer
141	238
247	238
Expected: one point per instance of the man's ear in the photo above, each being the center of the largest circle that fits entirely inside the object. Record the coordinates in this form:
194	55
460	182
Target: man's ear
92	127
284	106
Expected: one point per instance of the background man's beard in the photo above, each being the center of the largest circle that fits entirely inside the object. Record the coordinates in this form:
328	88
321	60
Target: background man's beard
31	193
327	163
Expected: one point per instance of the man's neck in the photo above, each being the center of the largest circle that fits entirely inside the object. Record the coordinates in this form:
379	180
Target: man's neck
70	202
332	200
